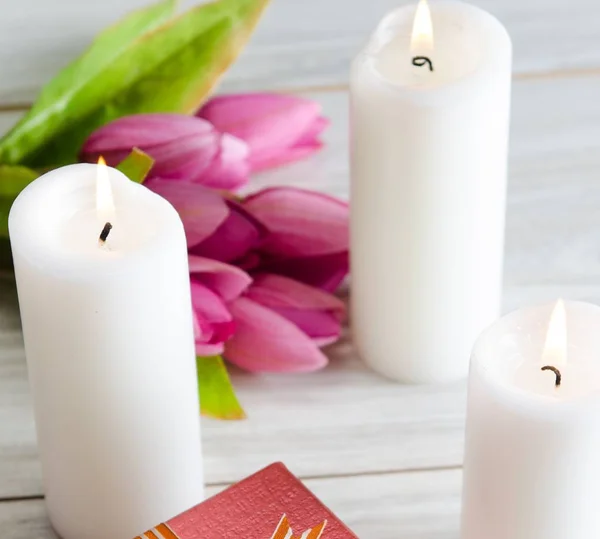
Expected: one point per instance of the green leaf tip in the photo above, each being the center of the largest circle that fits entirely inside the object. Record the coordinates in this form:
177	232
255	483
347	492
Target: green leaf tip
217	396
136	165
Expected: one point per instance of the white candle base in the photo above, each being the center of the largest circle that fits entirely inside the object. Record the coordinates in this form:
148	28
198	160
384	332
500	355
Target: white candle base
532	451
429	154
110	354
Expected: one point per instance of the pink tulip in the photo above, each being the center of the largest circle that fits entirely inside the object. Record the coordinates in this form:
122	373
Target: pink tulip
278	128
308	236
183	147
202	210
300	222
213	323
214	285
225	280
280	325
237	235
252	264
265	341
316	313
326	272
293	232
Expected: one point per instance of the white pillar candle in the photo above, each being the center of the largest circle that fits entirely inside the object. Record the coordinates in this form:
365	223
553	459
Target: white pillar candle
532	461
428	152
109	345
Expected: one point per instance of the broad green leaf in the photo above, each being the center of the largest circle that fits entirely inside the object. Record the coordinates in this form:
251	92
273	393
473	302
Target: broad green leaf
136	165
12	181
217	397
170	69
75	92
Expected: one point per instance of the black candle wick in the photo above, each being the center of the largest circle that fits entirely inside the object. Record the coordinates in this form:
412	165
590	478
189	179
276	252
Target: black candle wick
556	373
105	232
420	61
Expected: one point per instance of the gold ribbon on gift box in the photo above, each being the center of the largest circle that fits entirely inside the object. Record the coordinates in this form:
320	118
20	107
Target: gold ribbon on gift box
162	531
283	531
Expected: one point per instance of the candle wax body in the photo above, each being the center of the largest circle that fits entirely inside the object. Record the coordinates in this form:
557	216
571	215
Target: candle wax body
532	450
109	344
428	159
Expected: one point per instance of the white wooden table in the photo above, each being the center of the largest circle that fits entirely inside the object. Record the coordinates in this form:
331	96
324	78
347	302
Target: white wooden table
386	458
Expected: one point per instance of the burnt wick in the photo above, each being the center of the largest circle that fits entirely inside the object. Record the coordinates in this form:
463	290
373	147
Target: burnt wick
104	234
556	373
420	61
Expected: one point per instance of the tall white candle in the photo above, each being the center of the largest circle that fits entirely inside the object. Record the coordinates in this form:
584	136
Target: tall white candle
109	345
428	152
532	458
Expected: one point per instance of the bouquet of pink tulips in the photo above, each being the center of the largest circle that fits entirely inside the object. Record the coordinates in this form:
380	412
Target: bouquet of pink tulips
262	267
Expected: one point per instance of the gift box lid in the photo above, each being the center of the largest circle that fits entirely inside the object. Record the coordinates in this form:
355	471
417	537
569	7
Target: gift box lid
271	504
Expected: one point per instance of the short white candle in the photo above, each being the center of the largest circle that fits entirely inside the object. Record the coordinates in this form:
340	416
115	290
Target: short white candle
109	345
429	154
532	459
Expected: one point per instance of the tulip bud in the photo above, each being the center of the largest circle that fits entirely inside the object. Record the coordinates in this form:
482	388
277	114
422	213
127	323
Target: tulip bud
278	128
183	148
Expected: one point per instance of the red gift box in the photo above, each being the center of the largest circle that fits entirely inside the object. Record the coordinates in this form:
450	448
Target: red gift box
271	504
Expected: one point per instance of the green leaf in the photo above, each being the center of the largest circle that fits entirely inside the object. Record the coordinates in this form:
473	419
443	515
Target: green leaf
12	181
217	397
75	91
169	69
136	165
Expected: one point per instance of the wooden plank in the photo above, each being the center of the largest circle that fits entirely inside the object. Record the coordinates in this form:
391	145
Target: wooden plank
421	505
297	44
346	419
366	417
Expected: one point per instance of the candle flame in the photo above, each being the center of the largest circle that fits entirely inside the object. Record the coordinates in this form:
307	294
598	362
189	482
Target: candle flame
105	204
555	347
422	33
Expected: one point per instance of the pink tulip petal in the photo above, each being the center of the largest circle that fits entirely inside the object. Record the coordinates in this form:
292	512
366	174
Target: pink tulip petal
264	341
214	323
181	146
146	130
180	159
322	327
317	127
326	272
316	313
229	168
306	145
208	350
283	293
267	160
249	262
207	305
187	158
225	280
202	348
201	210
301	222
234	238
263	120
